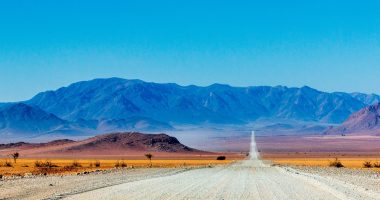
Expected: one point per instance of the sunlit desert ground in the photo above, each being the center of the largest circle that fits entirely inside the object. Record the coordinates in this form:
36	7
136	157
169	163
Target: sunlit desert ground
67	166
264	173
325	162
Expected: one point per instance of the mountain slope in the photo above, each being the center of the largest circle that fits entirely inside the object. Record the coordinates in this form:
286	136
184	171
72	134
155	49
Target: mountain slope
20	119
132	123
117	98
367	120
368	99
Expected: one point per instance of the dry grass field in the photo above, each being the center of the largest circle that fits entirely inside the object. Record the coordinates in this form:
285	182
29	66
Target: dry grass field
352	151
325	162
67	166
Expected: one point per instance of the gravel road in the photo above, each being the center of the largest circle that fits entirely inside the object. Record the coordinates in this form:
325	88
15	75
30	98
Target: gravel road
251	179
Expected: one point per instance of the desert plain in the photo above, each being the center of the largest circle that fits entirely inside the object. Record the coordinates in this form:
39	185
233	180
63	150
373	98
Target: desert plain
273	168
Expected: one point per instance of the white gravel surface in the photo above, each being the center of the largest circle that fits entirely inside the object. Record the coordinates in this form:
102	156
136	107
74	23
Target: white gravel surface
57	187
251	179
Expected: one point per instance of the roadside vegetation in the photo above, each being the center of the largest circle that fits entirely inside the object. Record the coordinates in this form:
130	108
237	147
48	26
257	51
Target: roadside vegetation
346	162
149	156
120	164
15	156
336	163
7	163
68	166
367	164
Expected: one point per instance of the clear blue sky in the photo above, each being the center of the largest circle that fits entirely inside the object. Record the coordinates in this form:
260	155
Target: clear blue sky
329	45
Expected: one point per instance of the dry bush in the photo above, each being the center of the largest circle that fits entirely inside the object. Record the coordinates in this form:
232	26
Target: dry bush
46	164
376	165
76	164
46	167
121	164
94	164
336	163
38	163
117	164
49	164
7	163
367	164
97	163
221	158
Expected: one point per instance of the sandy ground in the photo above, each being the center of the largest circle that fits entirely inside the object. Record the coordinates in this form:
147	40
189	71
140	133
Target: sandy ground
244	180
354	162
250	179
56	187
27	166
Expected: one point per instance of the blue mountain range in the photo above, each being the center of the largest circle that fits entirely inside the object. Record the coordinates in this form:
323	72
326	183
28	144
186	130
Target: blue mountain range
113	104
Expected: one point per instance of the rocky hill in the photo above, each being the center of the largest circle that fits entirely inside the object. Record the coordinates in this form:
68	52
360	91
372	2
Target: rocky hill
367	120
131	141
122	144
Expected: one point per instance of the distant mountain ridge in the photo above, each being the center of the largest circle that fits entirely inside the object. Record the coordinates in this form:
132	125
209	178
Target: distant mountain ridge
19	121
117	98
117	104
20	117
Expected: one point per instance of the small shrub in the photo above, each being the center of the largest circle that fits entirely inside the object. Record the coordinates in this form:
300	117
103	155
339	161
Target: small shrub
221	158
117	164
91	165
49	164
367	164
46	164
76	164
7	163
376	165
38	163
97	163
336	163
121	164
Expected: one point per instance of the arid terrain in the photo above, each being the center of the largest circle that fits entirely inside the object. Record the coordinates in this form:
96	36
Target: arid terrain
248	179
105	152
128	144
189	100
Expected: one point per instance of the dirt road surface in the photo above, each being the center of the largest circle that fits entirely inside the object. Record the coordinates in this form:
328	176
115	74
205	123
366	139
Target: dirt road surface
251	179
